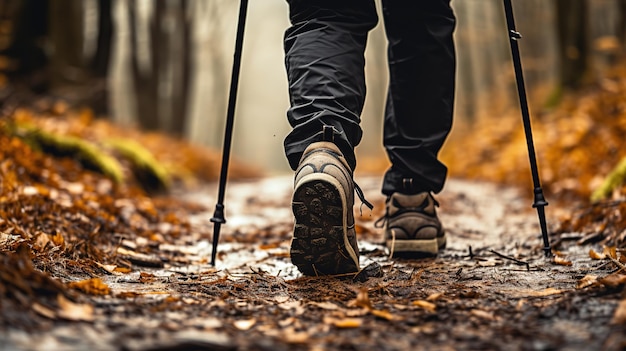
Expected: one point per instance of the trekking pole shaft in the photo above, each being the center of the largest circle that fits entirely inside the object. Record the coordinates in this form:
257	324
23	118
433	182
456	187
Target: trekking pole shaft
539	200
218	216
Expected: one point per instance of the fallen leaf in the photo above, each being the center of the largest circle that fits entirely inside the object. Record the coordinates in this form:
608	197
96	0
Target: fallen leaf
324	305
362	299
269	246
619	316
586	281
93	286
483	314
58	240
44	311
41	242
145	277
345	322
540	293
107	267
434	297
286	322
122	269
296	306
244	324
613	280
562	261
281	299
428	306
74	311
384	315
610	251
596	256
520	304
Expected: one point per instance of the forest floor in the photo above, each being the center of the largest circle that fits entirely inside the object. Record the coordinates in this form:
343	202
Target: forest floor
470	297
94	255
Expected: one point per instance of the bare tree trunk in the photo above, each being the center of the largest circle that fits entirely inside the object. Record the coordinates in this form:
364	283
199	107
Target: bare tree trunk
101	60
181	53
145	82
621	28
29	28
67	43
574	46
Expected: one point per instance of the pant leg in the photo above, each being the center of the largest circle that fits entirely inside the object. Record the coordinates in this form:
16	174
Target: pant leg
324	59
420	99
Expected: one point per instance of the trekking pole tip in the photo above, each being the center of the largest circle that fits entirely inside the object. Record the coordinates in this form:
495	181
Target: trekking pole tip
217	219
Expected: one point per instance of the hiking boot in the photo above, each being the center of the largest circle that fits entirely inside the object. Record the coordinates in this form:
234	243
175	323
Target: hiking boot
411	225
324	238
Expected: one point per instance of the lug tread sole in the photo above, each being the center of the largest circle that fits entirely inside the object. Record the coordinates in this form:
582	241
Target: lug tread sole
318	246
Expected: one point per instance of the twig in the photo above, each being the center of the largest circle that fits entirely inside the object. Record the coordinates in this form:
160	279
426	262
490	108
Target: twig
519	262
621	266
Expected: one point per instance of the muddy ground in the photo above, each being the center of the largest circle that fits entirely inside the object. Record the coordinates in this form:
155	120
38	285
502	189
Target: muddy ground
473	296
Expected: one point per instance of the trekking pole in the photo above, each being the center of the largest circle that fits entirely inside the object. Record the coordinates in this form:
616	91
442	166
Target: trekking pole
539	200
218	215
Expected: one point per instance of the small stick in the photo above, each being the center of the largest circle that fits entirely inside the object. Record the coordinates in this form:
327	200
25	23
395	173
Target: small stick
617	263
519	262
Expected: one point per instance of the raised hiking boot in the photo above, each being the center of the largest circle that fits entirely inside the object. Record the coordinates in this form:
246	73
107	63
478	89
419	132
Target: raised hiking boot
411	225
324	238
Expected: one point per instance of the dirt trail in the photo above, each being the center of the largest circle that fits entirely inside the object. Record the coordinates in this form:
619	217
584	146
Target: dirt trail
255	299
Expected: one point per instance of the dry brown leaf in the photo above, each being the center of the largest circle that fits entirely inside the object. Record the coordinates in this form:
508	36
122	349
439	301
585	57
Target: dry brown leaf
483	314
269	246
281	299
596	256
325	305
520	304
123	269
619	316
345	322
540	293
93	286
562	261
428	306
384	315
44	311
41	241
244	324
292	336
362	300
586	281
613	280
107	267
610	251
74	311
58	240
434	297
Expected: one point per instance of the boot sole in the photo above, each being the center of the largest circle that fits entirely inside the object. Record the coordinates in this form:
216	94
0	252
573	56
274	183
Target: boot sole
320	244
424	247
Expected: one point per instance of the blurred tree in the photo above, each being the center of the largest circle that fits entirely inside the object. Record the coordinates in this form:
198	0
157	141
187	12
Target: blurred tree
161	64
622	27
44	42
100	63
572	30
24	29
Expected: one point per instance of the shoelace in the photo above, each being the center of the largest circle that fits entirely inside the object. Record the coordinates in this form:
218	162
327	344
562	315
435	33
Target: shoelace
361	196
380	222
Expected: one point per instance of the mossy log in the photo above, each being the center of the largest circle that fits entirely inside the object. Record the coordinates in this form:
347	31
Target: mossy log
615	179
152	175
86	152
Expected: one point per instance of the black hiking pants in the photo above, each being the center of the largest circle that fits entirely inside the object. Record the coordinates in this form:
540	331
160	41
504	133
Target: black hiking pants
324	58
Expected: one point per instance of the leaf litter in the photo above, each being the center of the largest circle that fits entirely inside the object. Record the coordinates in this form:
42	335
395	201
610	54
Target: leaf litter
129	269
